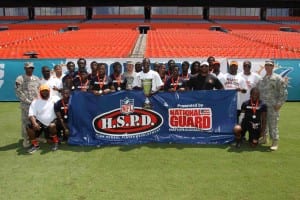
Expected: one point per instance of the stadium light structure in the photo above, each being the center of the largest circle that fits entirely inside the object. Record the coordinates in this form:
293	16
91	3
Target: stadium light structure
31	54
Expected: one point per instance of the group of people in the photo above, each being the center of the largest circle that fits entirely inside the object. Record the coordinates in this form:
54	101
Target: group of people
44	107
258	99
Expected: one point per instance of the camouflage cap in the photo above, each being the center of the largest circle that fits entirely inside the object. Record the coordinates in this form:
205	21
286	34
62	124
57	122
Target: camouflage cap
269	62
28	65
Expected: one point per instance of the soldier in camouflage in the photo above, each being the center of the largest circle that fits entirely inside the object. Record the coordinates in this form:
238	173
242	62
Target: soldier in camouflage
26	90
274	93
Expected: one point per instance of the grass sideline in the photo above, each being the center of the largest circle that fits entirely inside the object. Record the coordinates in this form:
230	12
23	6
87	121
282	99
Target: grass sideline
151	171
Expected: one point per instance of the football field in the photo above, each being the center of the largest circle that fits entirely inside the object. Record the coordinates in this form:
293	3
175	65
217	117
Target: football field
150	171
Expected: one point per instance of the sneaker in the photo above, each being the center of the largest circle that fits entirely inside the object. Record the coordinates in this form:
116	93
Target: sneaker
54	147
33	149
26	143
274	146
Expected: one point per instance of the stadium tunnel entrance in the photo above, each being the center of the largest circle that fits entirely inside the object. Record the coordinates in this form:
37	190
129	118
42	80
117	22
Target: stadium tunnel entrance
144	28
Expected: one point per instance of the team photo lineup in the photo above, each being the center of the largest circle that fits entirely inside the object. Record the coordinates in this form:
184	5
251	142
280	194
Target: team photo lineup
166	100
44	101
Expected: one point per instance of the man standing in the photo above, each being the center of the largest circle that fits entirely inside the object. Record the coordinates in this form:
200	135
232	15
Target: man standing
234	81
204	80
81	63
129	75
195	68
156	66
138	67
251	78
147	73
216	71
61	109
274	93
57	80
94	70
163	74
185	75
81	82
27	88
171	64
118	80
52	83
211	61
67	80
175	82
101	84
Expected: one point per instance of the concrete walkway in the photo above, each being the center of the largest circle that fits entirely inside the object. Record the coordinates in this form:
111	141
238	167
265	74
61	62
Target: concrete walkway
140	47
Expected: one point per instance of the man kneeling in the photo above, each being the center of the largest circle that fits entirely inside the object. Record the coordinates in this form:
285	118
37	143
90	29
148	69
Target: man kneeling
251	119
42	119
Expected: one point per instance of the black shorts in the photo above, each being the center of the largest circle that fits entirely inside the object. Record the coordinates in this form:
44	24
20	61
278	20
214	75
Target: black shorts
44	129
254	133
59	127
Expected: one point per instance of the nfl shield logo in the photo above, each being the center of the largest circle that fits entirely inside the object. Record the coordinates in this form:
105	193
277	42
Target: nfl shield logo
127	106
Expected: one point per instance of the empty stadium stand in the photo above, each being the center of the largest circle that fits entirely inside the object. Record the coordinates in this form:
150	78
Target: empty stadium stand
104	38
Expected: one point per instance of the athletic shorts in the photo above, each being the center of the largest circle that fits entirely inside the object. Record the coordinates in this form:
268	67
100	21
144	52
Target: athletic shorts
44	129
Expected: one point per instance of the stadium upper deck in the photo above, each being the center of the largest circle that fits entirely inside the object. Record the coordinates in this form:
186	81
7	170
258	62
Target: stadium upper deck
166	38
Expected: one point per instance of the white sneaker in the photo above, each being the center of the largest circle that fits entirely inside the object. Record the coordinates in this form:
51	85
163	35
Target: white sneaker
26	143
274	146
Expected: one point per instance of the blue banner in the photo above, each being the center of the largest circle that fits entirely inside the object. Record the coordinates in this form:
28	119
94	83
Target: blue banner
11	69
199	117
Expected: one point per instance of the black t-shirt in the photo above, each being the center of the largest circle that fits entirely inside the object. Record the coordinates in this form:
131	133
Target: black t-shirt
78	85
69	77
100	83
252	110
174	83
208	82
118	84
62	108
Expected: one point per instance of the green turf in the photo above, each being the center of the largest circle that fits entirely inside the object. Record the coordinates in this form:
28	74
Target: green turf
152	171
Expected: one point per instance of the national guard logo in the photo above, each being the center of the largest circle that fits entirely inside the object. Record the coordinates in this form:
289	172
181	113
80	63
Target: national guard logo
190	118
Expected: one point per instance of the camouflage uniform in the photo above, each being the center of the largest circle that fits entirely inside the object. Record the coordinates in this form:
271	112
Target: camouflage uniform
26	90
273	92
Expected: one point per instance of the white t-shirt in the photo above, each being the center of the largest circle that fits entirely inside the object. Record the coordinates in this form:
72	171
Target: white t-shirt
153	75
233	82
43	110
129	79
251	82
221	77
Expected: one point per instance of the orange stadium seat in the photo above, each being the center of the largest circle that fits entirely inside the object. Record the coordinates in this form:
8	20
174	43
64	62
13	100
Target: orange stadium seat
163	40
239	43
82	43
